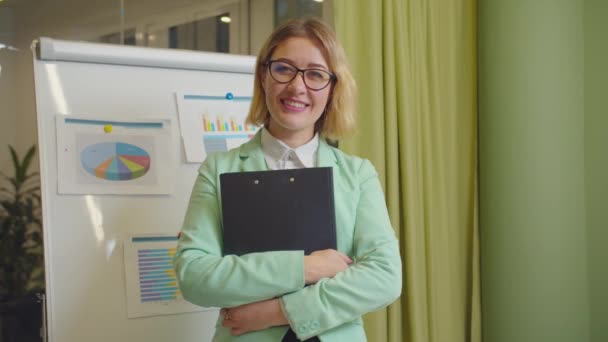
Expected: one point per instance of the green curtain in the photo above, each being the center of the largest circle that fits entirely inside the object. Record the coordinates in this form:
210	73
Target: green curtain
415	65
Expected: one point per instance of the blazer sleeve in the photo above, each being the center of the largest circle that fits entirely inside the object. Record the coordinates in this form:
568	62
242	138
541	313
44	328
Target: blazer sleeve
207	278
370	283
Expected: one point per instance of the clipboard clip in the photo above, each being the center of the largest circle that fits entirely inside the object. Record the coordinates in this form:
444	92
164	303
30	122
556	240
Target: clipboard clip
257	181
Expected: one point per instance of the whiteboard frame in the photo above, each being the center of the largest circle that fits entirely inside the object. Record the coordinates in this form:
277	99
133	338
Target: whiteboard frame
50	49
79	53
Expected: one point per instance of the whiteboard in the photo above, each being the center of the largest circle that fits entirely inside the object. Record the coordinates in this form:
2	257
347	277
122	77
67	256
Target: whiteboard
85	235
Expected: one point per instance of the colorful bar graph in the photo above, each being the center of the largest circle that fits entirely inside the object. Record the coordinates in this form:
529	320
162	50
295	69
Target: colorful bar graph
151	282
157	280
220	124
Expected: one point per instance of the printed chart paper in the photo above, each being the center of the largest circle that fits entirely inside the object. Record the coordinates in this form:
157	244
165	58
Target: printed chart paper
113	157
212	123
151	284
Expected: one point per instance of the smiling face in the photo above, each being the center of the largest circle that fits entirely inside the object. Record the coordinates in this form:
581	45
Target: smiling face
293	107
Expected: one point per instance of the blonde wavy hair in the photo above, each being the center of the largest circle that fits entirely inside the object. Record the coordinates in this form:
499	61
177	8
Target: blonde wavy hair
338	118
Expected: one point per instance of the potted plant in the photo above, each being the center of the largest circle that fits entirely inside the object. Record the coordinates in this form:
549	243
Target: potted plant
21	252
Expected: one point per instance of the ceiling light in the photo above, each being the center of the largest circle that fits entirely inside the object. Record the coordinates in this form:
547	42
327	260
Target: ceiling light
225	19
8	47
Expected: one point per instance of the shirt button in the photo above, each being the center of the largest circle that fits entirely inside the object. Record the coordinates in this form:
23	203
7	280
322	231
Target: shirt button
314	325
303	329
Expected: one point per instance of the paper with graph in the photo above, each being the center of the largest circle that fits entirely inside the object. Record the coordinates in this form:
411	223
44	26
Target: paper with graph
212	123
122	157
151	284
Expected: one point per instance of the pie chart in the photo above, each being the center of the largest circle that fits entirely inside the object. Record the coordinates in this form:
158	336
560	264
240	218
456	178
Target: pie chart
115	161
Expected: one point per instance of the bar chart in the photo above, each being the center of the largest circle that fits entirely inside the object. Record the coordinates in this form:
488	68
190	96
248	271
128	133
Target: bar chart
152	288
156	275
222	133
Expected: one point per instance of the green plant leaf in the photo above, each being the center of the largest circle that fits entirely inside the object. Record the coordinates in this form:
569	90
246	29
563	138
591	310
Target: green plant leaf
31	179
15	159
28	158
15	183
6	192
35	189
21	253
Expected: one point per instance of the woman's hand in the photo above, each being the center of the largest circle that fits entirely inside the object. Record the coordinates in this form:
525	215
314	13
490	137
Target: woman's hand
254	316
265	314
324	264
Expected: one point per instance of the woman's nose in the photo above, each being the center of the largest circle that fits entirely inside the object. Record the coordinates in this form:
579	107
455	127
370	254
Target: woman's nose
298	83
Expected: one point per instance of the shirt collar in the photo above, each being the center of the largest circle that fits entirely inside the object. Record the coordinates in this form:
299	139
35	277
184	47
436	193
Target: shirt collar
275	150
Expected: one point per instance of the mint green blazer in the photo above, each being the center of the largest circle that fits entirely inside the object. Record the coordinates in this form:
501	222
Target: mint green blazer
330	309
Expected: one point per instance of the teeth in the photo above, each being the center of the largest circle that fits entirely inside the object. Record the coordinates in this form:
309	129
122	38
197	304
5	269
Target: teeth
294	104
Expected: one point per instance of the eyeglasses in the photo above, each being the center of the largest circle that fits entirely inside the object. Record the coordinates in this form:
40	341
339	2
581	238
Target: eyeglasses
314	79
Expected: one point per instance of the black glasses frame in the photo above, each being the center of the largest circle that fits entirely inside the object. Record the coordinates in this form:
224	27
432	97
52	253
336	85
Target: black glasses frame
332	77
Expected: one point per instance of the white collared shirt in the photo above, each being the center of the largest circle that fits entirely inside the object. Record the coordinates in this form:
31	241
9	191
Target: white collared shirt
279	156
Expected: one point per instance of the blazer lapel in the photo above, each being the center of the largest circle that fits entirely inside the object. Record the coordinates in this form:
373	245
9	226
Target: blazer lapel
325	155
342	197
252	156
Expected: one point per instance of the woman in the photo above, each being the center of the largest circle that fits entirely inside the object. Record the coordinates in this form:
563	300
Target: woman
303	94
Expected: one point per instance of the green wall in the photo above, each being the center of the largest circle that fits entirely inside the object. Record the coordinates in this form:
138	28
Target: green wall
596	161
534	255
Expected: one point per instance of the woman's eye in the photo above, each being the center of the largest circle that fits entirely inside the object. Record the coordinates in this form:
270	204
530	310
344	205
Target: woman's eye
315	75
284	69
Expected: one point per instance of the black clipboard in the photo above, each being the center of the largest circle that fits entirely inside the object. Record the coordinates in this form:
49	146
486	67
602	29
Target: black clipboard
278	210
